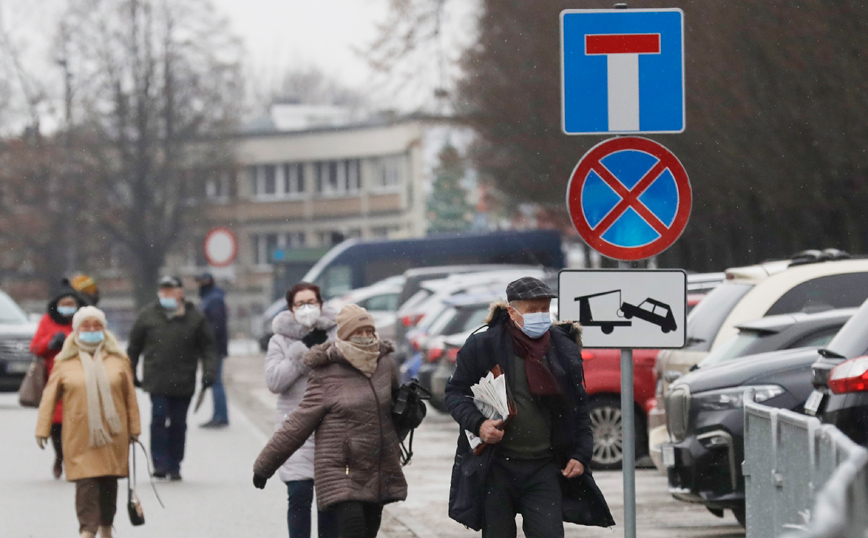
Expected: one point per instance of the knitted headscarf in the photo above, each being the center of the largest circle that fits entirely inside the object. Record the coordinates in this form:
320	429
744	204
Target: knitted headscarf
363	357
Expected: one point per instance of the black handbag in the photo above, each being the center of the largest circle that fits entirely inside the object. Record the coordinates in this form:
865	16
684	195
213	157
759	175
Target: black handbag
408	411
134	506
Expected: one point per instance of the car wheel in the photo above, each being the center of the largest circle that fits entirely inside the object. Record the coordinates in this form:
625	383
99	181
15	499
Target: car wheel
605	413
739	514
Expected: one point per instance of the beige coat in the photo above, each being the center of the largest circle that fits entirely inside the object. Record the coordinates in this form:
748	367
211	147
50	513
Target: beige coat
66	384
357	454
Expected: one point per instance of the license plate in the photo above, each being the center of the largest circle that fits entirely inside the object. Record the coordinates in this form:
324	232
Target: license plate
814	402
17	367
668	453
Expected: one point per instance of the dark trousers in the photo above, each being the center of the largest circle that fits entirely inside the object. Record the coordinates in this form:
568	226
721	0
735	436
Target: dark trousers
526	487
358	520
218	394
96	501
168	432
300	497
56	440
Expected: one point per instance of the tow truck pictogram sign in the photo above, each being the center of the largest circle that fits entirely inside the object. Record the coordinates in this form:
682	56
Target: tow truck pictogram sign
625	308
629	198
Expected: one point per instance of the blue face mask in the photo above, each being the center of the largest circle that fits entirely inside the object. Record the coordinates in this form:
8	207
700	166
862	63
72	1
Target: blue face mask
67	311
92	337
536	325
169	303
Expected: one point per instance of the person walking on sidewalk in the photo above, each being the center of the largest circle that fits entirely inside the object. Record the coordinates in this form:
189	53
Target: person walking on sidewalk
94	380
173	337
86	288
537	464
54	327
305	324
213	305
348	400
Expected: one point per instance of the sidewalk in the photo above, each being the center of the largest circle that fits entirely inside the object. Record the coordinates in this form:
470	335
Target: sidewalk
215	500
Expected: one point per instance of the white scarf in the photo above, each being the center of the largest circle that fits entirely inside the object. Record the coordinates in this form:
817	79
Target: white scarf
362	357
98	389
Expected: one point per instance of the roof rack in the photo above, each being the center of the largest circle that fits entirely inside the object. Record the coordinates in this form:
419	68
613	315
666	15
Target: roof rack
817	256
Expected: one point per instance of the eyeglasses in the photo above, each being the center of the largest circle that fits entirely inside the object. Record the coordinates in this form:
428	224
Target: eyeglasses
312	302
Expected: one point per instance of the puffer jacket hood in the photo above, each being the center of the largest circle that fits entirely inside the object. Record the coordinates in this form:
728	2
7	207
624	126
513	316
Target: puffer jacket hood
498	314
286	325
325	354
66	291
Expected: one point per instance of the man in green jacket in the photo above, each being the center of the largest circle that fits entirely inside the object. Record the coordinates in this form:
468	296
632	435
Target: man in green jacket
172	336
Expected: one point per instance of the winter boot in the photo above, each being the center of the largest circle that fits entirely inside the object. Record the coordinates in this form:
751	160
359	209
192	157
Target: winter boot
105	531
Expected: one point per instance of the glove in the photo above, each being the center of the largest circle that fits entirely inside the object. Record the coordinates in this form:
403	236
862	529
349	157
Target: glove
315	337
57	340
42	441
259	481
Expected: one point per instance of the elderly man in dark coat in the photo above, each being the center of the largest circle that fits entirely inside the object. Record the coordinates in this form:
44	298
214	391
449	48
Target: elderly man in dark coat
536	464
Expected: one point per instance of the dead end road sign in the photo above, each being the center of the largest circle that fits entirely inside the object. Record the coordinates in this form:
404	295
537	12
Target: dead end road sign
629	198
626	308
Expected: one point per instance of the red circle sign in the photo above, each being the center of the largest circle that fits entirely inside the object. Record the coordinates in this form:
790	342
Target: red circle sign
221	247
629	198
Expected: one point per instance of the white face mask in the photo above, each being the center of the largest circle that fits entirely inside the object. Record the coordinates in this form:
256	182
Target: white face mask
307	314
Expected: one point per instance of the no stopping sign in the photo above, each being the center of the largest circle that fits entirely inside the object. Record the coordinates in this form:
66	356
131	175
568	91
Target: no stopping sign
221	247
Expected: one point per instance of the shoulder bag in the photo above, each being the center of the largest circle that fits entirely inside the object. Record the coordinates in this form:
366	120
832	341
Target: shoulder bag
30	391
134	506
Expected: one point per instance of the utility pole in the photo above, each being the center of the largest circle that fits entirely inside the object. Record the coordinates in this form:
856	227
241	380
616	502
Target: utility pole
68	210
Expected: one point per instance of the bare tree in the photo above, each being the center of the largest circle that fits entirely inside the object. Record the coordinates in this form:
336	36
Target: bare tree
158	112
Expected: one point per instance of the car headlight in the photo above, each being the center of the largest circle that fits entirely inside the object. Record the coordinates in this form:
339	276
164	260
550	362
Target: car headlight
733	398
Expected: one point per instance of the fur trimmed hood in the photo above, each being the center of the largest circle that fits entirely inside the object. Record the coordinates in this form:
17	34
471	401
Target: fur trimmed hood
110	347
324	354
285	324
498	314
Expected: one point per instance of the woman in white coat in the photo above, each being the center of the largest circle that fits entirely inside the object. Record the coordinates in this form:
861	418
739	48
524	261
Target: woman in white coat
306	324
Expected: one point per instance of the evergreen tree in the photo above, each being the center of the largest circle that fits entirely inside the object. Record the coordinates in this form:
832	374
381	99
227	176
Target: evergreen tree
448	209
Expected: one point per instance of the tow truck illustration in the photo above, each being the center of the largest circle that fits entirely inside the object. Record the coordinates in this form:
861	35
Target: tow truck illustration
650	310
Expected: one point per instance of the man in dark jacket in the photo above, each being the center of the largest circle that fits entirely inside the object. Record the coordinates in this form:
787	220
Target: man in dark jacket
537	463
172	336
213	305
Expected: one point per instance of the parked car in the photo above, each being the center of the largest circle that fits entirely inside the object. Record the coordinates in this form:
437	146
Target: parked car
840	381
773	333
810	282
705	415
16	332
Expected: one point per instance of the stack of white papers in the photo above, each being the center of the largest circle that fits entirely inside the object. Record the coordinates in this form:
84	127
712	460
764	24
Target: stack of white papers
489	395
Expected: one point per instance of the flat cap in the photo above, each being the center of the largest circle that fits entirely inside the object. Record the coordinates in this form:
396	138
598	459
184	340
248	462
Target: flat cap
527	288
169	281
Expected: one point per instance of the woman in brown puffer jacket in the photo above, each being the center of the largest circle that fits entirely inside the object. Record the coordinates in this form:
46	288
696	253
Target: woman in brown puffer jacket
348	404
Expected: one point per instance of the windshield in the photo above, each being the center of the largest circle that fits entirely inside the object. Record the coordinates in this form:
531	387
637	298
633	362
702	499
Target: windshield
852	340
10	312
734	347
705	320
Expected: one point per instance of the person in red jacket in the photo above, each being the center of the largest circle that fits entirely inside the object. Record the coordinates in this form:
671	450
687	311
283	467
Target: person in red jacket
53	329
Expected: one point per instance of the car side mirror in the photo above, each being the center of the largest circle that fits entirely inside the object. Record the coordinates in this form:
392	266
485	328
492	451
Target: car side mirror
670	376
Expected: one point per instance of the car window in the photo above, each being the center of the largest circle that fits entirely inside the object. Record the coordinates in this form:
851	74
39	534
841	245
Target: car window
737	345
816	339
387	302
441	321
823	293
9	311
337	281
474	320
416	300
705	320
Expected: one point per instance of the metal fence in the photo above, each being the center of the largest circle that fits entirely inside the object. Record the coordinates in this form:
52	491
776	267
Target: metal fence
803	479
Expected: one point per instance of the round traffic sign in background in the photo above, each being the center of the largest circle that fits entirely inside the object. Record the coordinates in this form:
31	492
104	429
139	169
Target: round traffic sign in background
629	198
221	247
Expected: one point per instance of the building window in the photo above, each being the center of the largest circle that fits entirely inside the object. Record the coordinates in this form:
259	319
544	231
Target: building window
217	188
384	232
338	177
329	238
389	172
293	179
264	246
269	178
294	239
254	180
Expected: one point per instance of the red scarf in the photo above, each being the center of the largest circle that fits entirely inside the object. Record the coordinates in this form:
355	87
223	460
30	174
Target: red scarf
540	380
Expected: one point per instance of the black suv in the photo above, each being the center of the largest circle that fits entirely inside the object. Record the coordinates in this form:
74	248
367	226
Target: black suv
841	381
705	415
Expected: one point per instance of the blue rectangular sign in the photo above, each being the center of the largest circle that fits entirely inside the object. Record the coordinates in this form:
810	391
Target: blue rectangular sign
622	71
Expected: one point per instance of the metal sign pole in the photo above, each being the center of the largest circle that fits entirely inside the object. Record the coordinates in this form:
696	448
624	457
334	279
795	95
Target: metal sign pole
628	437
